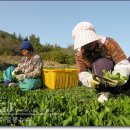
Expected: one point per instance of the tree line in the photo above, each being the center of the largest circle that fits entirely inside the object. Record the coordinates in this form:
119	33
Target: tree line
9	45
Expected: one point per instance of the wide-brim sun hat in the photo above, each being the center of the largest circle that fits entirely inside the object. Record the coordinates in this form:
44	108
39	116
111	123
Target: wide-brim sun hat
84	33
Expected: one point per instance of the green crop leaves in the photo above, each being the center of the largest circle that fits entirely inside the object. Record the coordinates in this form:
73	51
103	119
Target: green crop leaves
62	107
121	79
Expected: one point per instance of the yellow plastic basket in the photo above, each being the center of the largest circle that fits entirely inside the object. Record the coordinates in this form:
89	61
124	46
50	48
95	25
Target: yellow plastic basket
60	78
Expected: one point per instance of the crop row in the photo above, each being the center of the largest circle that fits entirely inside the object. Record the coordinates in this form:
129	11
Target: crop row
63	107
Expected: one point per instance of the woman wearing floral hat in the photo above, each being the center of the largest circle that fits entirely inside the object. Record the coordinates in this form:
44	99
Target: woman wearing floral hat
28	73
95	53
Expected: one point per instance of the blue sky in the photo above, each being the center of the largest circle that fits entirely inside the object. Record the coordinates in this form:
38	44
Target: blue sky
53	21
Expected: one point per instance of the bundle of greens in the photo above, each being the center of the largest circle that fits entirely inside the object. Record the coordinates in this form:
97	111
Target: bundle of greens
121	79
18	72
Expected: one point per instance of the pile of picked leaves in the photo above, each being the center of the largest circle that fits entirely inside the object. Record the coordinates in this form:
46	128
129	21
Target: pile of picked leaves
119	78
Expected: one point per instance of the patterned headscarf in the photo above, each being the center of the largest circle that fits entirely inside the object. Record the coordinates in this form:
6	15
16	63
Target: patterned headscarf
84	33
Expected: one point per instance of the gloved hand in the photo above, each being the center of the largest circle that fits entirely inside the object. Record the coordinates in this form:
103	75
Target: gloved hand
93	81
20	76
123	68
14	72
103	97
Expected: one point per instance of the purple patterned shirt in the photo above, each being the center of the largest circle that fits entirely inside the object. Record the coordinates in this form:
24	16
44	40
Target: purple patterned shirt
31	67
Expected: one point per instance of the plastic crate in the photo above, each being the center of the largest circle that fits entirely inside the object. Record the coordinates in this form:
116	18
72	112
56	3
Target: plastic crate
60	78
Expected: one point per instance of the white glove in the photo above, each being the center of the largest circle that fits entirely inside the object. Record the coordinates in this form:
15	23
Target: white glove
20	77
123	68
93	82
103	97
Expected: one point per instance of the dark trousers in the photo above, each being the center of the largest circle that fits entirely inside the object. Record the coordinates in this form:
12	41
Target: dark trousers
107	64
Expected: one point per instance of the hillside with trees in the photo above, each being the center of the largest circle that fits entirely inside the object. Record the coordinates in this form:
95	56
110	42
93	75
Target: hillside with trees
9	46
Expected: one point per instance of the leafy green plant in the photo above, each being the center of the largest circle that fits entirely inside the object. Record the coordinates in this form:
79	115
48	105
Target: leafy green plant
62	107
121	79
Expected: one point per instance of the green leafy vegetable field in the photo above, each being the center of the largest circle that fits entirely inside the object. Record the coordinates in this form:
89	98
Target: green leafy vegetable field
62	107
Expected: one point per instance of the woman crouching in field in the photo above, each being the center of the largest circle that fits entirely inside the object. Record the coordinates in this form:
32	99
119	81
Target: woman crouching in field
95	53
28	74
